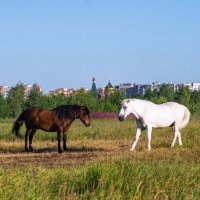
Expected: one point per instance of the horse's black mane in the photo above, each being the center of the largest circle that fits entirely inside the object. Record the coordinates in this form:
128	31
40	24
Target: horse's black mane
68	111
66	107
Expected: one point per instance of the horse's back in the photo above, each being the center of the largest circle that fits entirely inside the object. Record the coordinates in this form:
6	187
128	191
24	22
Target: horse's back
176	108
39	118
181	113
163	115
35	112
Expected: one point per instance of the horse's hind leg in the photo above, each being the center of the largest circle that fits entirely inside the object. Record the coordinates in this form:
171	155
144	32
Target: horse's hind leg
177	134
149	132
31	138
179	138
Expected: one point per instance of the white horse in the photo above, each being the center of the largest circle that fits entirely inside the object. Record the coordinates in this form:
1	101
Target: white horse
149	115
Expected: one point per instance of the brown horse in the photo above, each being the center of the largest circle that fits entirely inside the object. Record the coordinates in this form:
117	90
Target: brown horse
57	120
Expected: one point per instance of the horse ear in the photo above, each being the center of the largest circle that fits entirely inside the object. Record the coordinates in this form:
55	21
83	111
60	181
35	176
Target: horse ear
83	108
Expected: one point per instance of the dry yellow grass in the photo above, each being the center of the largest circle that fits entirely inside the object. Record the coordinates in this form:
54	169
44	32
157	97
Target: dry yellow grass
87	151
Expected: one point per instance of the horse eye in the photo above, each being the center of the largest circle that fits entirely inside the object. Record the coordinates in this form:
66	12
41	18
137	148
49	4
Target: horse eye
125	107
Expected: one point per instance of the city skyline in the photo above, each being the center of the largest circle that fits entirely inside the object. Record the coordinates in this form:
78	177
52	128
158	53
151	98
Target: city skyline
63	89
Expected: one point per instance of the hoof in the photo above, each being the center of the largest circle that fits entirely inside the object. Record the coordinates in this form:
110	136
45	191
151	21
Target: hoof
66	149
31	149
26	149
60	151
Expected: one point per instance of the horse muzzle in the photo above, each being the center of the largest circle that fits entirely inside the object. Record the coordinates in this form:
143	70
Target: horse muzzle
121	118
87	124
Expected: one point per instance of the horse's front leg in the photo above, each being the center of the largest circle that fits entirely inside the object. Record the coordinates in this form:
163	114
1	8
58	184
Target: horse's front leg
59	138
64	142
31	139
138	133
149	131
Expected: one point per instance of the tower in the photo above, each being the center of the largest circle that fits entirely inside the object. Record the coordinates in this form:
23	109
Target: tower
94	88
109	89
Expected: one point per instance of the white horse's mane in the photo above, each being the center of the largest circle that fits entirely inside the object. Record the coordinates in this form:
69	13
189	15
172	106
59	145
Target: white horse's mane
135	99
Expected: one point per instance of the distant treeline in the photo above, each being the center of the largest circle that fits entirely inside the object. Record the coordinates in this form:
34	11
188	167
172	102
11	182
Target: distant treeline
15	103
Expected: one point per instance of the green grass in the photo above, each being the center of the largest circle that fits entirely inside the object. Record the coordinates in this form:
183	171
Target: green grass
125	179
163	173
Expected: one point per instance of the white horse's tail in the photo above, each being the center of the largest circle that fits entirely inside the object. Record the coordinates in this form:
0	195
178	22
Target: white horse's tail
186	118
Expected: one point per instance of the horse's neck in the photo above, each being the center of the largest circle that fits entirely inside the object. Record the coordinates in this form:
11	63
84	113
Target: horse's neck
77	112
138	108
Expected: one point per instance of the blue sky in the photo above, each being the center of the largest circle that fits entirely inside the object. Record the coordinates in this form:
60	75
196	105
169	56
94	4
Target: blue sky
65	43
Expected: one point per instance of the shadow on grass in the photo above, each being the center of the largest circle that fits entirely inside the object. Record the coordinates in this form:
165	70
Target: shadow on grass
51	150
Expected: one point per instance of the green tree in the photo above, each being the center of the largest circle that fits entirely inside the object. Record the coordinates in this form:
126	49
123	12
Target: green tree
166	92
183	95
160	100
46	101
155	94
85	98
34	97
151	95
16	100
114	99
195	97
52	101
107	106
148	94
194	105
4	109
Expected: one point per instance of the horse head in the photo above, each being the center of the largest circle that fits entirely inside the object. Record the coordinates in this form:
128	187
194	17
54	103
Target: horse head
84	115
125	109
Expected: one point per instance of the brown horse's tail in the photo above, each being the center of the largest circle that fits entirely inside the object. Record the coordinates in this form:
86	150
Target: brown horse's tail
18	123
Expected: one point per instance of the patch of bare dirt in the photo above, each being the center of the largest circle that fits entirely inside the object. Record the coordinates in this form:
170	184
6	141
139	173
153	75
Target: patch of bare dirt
49	157
45	159
13	155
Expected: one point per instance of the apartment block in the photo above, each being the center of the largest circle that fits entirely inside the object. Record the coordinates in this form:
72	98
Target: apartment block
4	90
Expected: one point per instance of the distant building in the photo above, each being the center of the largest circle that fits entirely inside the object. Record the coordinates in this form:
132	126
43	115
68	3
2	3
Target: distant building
109	89
65	91
192	86
172	86
101	94
27	89
104	92
123	86
4	90
139	89
156	86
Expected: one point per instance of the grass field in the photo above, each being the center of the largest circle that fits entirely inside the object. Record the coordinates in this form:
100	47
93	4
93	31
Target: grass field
99	164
